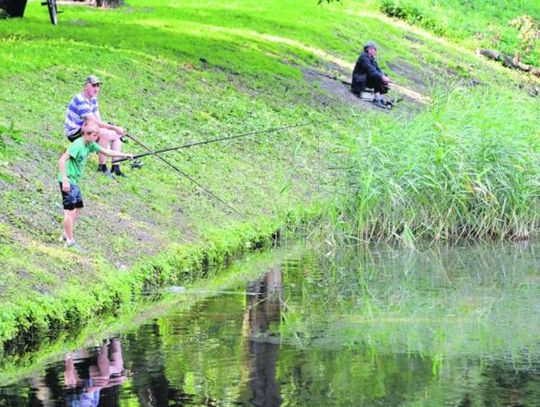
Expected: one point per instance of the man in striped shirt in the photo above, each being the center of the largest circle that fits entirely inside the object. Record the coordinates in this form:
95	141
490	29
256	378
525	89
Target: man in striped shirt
83	108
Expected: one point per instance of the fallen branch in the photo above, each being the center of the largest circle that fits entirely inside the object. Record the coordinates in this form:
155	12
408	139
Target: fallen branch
508	61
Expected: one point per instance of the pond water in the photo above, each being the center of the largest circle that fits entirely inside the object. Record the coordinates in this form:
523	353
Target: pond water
354	327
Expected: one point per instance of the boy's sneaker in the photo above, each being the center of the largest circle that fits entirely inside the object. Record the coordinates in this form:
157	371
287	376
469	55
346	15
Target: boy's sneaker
73	245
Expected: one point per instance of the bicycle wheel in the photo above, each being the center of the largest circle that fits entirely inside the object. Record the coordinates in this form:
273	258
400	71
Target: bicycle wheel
53	11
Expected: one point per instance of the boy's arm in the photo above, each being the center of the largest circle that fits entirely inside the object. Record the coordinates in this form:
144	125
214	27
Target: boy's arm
62	167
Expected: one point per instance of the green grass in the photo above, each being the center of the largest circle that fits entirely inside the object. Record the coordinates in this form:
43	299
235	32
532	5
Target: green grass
476	23
176	72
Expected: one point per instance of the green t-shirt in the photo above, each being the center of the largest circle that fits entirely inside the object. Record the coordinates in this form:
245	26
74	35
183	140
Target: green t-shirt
78	153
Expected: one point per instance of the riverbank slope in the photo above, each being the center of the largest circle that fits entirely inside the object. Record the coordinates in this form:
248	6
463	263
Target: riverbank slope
184	72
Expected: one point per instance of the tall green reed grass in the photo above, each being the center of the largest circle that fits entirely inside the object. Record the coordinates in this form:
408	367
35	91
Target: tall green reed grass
467	167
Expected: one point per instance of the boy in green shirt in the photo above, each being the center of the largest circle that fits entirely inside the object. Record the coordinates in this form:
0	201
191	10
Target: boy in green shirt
71	167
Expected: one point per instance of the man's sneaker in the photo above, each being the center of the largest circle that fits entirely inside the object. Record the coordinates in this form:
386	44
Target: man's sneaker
379	103
73	245
103	168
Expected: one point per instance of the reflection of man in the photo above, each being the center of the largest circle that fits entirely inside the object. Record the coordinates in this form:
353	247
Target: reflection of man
263	310
84	382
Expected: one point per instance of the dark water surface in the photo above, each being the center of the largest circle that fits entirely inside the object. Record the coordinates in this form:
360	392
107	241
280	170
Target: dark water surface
356	327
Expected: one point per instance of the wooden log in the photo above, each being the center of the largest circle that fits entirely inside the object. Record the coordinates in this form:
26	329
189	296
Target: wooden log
508	61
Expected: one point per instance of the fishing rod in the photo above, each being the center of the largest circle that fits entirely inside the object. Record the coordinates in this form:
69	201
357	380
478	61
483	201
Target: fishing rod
174	167
215	140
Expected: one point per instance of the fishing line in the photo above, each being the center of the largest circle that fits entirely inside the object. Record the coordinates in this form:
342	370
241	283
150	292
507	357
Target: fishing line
210	193
215	140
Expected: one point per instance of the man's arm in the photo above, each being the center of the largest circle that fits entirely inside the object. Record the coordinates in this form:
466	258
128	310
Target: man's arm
384	77
368	67
62	167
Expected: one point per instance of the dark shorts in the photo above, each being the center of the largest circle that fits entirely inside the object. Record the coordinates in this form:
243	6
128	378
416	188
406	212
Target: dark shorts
72	199
75	136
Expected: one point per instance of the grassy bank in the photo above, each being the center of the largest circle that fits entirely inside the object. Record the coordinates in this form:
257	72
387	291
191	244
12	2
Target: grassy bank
507	26
458	157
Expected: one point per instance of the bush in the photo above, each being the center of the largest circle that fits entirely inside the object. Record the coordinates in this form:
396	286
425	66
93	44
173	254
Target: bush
411	13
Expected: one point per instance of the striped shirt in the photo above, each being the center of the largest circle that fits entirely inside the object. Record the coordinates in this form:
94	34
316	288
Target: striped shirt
77	110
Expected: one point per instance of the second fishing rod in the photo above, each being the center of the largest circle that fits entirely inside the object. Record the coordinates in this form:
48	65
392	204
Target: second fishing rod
216	140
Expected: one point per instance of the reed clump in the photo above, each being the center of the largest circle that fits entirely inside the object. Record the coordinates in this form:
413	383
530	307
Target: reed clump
467	167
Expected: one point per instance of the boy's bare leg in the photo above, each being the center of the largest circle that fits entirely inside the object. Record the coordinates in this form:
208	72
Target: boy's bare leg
103	363
69	223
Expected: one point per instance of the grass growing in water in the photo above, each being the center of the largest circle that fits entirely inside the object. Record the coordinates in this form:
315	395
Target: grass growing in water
464	168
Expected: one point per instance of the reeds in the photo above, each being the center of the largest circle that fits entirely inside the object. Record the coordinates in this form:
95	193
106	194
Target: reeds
468	167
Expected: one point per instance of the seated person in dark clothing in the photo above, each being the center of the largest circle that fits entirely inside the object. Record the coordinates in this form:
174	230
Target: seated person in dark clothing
367	74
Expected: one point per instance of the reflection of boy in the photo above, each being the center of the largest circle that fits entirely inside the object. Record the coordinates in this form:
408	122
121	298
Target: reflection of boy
104	373
107	372
71	167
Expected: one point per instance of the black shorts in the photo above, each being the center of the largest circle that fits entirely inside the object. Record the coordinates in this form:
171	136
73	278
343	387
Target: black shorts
72	199
75	136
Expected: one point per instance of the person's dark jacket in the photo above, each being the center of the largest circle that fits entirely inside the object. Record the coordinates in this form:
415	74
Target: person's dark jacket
365	67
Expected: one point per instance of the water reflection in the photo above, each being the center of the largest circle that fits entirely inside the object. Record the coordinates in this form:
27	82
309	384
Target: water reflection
86	382
454	327
263	309
86	378
151	385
